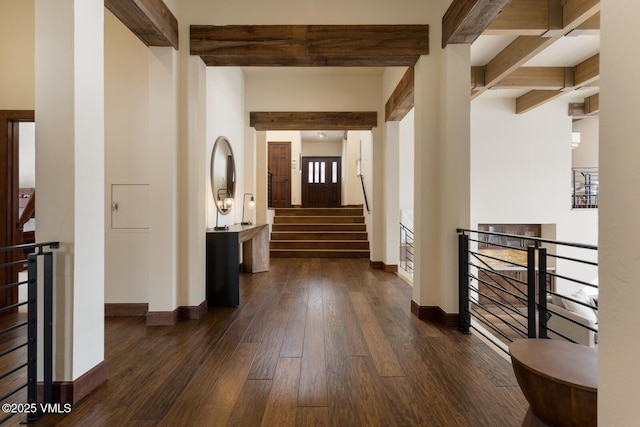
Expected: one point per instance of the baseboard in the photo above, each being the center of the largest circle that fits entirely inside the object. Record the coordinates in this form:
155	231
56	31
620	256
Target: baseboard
434	314
155	318
378	265
391	268
190	312
126	309
74	391
162	318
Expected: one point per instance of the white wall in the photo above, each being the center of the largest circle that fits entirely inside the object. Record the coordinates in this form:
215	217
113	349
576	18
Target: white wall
586	155
27	156
351	186
17	41
295	138
225	117
320	149
521	174
519	169
309	12
405	192
365	138
127	158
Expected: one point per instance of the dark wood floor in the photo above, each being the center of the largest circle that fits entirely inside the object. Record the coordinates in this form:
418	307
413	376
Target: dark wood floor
317	342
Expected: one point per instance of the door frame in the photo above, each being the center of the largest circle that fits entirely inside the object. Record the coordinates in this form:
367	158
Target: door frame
305	183
9	185
288	143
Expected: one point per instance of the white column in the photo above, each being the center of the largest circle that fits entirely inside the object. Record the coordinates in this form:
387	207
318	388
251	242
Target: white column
192	203
392	193
455	163
70	168
426	180
442	162
163	177
377	230
262	202
619	234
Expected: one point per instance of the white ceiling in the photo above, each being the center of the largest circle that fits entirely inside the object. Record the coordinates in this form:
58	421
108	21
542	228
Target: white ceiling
331	136
567	52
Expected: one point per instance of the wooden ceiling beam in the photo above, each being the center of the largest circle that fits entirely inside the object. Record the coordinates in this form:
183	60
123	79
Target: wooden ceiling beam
590	107
477	77
360	120
588	71
535	98
592	104
465	20
543	78
577	12
511	58
590	27
150	20
576	110
523	48
521	18
584	74
310	45
401	100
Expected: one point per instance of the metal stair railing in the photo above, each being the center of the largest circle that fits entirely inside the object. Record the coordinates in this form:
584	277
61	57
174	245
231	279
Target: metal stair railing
20	371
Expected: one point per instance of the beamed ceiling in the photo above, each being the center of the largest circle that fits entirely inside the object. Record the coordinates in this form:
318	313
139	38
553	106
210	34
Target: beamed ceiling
531	50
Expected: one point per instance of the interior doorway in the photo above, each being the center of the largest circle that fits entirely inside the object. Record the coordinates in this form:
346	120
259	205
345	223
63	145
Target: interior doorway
19	206
321	182
279	174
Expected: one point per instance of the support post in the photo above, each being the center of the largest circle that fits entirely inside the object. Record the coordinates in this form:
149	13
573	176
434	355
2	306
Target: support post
463	283
542	292
32	335
531	292
48	327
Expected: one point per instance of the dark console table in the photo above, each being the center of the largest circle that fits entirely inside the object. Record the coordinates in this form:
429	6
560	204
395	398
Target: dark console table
223	260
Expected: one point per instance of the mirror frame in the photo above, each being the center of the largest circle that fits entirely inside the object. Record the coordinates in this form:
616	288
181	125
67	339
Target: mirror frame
221	142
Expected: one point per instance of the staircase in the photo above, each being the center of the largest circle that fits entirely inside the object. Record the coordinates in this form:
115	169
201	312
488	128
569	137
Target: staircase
319	233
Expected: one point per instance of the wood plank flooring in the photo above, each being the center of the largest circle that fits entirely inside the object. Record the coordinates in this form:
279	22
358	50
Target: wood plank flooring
315	342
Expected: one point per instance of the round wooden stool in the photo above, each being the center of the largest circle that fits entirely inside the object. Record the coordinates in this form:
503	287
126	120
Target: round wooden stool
559	380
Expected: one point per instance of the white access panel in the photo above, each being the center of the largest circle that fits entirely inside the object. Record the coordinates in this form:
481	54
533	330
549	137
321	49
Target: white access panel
130	206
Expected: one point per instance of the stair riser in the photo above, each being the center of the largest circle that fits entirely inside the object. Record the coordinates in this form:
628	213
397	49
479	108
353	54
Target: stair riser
318	236
318	227
318	254
364	245
318	220
319	212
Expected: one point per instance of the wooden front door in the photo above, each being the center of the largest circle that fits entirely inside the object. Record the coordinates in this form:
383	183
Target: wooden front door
279	167
321	182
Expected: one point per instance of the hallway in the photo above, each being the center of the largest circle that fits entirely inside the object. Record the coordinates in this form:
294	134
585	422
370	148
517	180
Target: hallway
325	342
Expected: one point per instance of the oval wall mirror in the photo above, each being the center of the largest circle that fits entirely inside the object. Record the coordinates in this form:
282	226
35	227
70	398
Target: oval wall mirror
223	175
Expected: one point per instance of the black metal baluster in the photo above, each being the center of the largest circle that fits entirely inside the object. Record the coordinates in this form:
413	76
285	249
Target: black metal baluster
542	292
32	334
463	284
531	292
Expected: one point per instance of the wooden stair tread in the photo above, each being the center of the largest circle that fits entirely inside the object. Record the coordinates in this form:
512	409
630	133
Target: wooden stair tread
316	223
321	233
318	241
324	250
